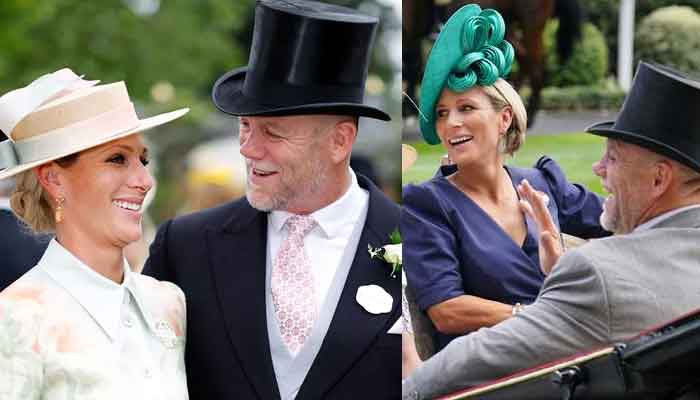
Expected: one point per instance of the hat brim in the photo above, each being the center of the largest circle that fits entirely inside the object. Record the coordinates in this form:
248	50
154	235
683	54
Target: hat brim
606	129
143	125
228	97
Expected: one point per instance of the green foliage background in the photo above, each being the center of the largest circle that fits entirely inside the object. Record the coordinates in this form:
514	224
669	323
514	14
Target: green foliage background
670	36
588	64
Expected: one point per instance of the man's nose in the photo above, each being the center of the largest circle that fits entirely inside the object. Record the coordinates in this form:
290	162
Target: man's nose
252	146
599	167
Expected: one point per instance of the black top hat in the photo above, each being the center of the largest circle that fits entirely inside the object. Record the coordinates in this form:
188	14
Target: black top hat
306	58
661	113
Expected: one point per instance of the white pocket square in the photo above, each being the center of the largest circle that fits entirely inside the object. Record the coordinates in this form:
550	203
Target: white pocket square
397	328
374	299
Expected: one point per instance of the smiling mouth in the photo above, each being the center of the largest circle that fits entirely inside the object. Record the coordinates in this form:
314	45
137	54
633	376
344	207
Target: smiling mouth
262	172
127	205
460	140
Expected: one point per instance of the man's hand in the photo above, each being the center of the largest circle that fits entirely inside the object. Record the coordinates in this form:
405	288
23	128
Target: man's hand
534	204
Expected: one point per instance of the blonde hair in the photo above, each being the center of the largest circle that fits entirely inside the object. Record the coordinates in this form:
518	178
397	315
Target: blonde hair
502	94
31	203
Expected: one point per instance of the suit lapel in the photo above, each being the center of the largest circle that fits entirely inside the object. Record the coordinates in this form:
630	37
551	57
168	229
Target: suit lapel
237	255
353	329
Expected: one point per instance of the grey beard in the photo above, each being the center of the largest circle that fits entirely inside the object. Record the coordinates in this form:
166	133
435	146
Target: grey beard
288	194
608	223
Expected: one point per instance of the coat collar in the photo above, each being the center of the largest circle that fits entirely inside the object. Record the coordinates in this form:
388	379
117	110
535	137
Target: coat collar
101	298
684	217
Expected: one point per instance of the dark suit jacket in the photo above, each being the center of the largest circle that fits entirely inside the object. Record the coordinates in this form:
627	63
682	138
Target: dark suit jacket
217	257
19	249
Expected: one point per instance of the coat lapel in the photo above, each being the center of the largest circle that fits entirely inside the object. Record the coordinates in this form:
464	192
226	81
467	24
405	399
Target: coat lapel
237	254
353	330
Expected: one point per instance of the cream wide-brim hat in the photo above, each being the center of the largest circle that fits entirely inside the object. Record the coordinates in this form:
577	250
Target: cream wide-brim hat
69	123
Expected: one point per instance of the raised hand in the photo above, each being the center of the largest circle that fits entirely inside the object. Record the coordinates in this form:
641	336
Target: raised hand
534	203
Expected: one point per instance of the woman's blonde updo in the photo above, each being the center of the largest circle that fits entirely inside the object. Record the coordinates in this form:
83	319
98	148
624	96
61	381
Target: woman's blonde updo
31	203
502	94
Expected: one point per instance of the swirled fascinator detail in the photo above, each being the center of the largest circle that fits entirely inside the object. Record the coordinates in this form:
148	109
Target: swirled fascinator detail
470	50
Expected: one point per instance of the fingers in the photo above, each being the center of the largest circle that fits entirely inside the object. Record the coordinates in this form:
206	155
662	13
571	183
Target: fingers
526	208
550	251
537	209
550	242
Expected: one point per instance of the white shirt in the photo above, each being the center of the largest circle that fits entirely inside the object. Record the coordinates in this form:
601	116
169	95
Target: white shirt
5	203
648	224
68	329
326	242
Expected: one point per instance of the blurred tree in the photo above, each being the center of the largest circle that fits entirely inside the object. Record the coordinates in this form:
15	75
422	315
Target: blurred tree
669	35
604	15
186	44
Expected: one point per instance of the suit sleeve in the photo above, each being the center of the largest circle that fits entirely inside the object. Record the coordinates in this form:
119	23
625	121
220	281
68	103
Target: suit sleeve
570	315
157	264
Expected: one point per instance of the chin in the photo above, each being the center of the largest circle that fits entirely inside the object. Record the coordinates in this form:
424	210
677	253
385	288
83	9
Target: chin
130	235
609	222
260	201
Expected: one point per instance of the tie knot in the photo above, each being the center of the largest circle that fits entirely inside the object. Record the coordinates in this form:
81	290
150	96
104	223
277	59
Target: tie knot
300	225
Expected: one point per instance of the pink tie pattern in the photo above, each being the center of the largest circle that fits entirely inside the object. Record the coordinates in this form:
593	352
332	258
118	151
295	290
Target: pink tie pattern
293	293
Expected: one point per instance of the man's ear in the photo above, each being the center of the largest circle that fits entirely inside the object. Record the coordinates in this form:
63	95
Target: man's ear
663	177
342	139
48	177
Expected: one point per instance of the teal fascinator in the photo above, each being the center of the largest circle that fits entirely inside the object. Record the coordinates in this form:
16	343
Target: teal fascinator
469	51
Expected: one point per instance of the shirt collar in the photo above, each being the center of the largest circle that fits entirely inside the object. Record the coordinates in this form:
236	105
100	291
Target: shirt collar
660	218
333	217
100	297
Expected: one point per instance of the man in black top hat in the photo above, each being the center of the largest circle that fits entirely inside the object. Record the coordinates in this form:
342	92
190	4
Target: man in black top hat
608	289
283	297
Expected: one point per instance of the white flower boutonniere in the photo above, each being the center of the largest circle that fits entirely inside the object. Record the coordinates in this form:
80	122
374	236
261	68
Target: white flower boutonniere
390	253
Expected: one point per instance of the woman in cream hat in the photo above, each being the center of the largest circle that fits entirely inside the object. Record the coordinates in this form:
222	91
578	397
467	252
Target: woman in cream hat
471	254
80	324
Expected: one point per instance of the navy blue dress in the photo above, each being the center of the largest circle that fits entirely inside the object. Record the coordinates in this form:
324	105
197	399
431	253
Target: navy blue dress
452	247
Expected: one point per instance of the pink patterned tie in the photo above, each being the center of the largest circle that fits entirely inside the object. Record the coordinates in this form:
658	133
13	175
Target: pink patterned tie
293	293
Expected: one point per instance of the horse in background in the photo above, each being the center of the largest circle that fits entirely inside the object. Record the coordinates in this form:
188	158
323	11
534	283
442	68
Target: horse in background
525	22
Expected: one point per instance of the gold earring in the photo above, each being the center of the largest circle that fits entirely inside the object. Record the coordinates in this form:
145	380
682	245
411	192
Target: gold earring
58	214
